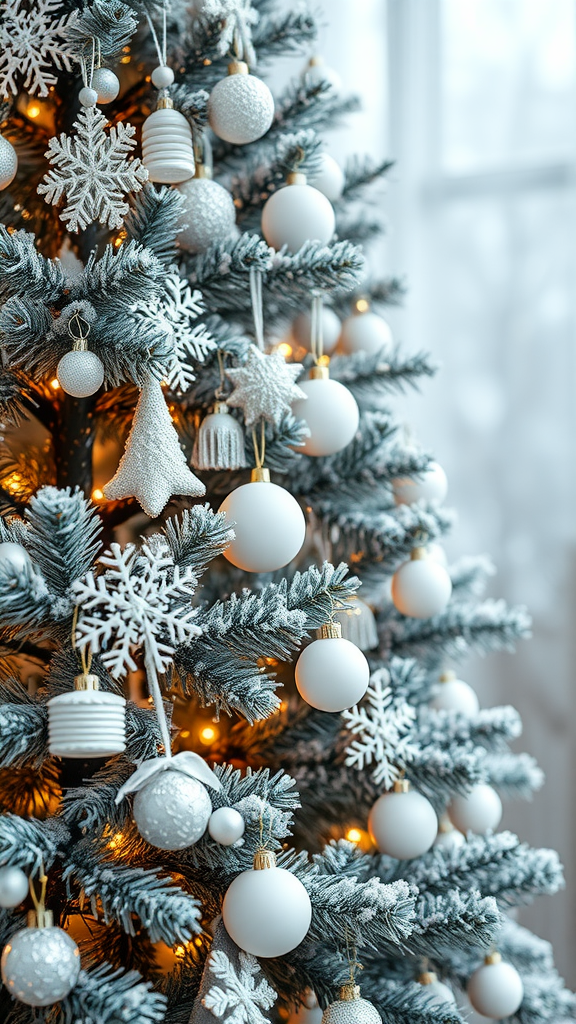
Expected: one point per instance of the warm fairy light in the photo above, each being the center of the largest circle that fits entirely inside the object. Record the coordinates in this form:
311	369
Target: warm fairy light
185	734
362	306
180	952
283	705
285	349
32	110
198	941
12	483
324	361
55	384
116	841
354	835
97	494
208	734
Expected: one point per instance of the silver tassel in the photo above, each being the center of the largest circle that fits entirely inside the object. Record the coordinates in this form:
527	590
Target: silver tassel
219	442
359	625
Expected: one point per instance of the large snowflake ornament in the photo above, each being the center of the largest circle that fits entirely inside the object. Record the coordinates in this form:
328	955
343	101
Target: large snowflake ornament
383	731
34	42
175	314
141	600
93	172
240	998
265	386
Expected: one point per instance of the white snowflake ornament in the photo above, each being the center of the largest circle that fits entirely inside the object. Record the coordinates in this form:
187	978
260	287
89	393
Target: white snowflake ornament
33	43
239	999
93	172
265	386
383	731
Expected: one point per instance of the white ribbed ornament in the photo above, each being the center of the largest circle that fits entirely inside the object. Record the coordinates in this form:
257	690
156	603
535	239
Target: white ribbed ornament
209	213
80	373
359	625
350	1008
167	152
241	106
219	442
86	722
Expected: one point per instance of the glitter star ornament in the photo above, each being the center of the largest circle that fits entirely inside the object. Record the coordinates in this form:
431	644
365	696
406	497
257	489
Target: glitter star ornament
265	386
153	467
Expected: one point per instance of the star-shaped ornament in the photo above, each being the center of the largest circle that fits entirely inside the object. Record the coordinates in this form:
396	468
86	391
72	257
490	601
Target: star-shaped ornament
265	386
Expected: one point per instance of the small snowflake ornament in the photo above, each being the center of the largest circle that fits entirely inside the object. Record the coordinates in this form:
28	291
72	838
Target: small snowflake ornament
233	989
34	42
265	386
383	731
93	172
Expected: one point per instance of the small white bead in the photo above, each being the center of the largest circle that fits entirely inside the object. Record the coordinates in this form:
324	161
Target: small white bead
162	76
88	97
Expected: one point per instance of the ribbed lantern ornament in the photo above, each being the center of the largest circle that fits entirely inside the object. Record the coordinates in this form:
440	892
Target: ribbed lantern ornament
167	151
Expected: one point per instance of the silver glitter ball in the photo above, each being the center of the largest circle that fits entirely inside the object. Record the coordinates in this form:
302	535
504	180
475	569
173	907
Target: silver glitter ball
172	810
106	84
209	214
351	1010
80	373
40	966
8	163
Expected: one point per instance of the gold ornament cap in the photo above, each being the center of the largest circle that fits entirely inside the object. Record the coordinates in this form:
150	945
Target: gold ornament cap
401	786
320	373
330	631
220	407
165	103
264	859
493	958
238	67
86	681
448	676
203	171
419	553
40	918
260	475
296	178
428	978
350	992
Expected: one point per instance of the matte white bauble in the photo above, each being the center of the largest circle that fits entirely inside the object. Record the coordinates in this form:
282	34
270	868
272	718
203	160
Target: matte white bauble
438	993
80	374
40	966
495	989
330	412
269	525
240	107
478	811
455	695
8	163
162	76
330	179
208	214
302	329
296	214
172	810
226	825
350	1008
106	84
403	823
449	839
266	910
13	886
317	72
430	485
13	557
366	332
167	152
421	587
332	674
88	97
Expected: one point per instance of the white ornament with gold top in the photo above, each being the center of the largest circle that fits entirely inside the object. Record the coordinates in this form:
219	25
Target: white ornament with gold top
403	823
330	413
332	674
40	963
479	810
241	106
421	587
365	331
167	151
495	989
269	524
350	1008
297	213
86	722
437	992
455	695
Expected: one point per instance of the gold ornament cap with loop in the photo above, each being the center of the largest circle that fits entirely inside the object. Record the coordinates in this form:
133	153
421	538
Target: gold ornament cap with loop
419	553
401	786
448	676
349	992
264	859
330	631
86	681
238	67
40	918
493	958
428	978
296	178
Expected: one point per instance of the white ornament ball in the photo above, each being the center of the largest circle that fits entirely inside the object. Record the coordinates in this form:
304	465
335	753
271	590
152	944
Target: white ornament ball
351	1011
88	97
478	811
403	824
302	329
106	84
366	332
332	674
240	109
209	214
296	214
437	552
13	557
172	810
331	415
167	152
430	485
40	966
455	695
438	993
226	825
496	990
13	886
449	840
80	373
421	587
330	179
269	525
267	912
86	723
162	76
359	625
8	163
318	72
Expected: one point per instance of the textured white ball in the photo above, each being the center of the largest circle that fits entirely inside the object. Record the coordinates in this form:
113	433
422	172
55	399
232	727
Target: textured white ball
456	695
13	886
172	810
331	414
267	913
403	825
8	163
496	990
330	179
226	825
86	723
366	332
302	329
430	485
80	373
478	811
269	525
332	674
351	1011
13	557
297	214
421	588
88	97
209	214
162	76
40	966
106	84
240	109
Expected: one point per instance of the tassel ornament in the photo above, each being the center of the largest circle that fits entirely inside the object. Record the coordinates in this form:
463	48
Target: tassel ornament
219	442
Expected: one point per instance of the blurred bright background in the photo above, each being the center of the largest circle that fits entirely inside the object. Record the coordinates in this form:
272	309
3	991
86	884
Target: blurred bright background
476	102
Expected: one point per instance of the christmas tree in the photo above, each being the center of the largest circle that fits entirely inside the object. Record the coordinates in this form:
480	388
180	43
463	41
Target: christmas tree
234	785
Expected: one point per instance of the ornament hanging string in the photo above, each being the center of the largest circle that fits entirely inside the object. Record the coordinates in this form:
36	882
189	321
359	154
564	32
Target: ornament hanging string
80	334
316	336
39	902
244	16
156	692
259	452
86	658
160	50
95	61
257	310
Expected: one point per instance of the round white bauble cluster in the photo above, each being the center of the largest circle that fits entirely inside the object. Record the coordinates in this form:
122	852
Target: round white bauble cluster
40	966
297	213
430	485
241	107
478	811
495	989
366	332
266	910
172	810
80	374
331	414
8	163
269	525
403	824
226	825
208	214
302	329
421	587
13	886
332	674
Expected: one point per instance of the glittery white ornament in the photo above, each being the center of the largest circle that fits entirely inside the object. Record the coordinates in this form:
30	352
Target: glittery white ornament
268	523
264	386
172	810
359	625
350	1008
241	106
455	695
40	966
8	163
13	886
421	587
13	557
226	825
430	485
106	84
479	810
80	373
167	152
86	722
153	467
296	214
266	910
219	443
495	989
302	329
438	993
365	331
330	413
329	179
331	673
403	823
209	213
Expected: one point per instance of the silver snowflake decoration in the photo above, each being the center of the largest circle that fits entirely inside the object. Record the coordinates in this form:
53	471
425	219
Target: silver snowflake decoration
141	600
175	314
34	42
240	998
93	172
383	729
265	386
